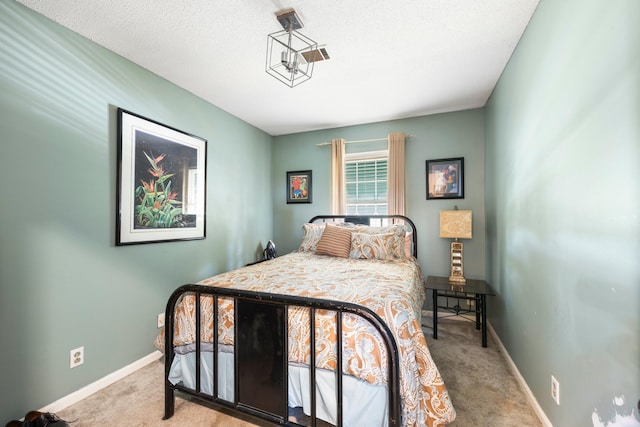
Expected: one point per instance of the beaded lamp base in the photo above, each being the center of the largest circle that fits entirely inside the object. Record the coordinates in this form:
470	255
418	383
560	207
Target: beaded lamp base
457	275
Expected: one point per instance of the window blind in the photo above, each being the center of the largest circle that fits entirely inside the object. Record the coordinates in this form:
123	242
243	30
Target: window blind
366	185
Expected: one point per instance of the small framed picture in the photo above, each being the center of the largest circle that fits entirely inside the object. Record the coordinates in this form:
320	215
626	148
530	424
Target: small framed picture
299	187
445	178
161	182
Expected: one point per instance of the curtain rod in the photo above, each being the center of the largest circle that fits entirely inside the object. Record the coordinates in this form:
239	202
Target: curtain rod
364	140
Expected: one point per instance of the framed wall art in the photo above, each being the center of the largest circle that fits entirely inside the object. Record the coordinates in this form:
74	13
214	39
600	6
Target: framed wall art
445	178
299	187
161	182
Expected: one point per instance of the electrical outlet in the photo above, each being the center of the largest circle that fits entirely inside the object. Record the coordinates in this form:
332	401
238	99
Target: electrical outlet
555	389
160	320
76	357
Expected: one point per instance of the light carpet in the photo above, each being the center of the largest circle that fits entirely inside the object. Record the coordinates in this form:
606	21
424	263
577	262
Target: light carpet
483	390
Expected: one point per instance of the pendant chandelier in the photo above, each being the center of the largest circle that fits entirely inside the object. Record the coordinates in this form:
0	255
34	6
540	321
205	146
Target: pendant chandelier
290	54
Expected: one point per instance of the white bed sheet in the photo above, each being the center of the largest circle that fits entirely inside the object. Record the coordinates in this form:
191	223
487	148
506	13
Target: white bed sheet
364	404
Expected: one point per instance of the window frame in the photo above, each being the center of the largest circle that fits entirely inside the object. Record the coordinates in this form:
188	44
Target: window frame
365	156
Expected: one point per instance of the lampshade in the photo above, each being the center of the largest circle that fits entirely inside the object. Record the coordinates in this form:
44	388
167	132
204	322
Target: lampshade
455	224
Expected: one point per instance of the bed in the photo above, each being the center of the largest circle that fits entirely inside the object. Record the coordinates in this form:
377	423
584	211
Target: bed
356	283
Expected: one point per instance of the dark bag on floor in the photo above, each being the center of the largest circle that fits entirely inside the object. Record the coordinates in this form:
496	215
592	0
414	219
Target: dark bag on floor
39	419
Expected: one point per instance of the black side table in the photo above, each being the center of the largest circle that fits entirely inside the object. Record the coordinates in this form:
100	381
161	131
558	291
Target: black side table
472	290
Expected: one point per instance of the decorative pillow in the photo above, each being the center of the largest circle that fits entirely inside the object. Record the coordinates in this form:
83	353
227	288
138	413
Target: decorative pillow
397	242
408	244
335	241
371	246
345	224
360	228
311	234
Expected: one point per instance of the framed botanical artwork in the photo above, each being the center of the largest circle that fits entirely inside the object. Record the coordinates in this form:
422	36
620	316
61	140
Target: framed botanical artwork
299	187
445	178
161	182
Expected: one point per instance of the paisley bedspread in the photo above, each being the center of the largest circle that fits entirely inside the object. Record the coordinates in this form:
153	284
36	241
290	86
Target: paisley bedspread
393	289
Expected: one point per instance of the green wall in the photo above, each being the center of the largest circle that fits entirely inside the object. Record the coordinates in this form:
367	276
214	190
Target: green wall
459	134
558	175
63	283
562	200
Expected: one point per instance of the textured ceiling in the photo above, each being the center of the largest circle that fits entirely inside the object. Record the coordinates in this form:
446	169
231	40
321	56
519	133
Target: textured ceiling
389	59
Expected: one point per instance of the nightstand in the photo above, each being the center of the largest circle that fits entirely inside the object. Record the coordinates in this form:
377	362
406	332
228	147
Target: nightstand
472	290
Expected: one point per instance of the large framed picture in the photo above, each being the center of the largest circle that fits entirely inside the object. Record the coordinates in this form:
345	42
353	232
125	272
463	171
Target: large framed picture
299	187
445	178
161	182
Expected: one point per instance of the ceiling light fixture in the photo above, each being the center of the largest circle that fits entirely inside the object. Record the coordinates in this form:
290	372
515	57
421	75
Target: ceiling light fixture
291	55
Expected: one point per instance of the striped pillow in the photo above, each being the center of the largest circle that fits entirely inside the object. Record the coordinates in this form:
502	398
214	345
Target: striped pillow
335	241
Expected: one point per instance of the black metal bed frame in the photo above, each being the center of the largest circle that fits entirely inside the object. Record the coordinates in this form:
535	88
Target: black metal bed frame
249	305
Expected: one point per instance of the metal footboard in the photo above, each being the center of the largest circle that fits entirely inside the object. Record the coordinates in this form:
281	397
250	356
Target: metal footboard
248	306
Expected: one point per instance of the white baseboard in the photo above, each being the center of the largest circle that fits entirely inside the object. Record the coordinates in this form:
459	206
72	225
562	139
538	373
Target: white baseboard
103	382
514	369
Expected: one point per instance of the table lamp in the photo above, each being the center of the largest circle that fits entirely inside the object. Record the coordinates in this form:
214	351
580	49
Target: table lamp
456	224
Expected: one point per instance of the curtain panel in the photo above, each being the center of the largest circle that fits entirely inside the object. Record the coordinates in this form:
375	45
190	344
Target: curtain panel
396	174
338	206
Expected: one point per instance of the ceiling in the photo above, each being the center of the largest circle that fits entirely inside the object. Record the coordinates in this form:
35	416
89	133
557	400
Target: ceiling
388	59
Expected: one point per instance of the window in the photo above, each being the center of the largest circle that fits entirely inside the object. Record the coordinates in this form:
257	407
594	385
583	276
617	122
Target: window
366	183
